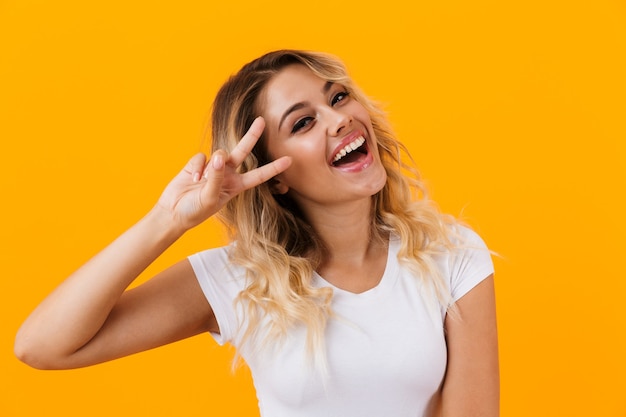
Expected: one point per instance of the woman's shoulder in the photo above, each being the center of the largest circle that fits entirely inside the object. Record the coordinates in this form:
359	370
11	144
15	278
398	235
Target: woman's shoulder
469	262
215	262
464	237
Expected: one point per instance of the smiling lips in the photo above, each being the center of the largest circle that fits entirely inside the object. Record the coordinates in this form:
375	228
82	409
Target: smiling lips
352	146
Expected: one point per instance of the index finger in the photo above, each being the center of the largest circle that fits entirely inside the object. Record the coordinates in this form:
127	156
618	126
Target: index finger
247	142
261	174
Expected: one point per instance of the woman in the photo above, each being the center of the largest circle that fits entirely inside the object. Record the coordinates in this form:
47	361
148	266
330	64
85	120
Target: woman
346	292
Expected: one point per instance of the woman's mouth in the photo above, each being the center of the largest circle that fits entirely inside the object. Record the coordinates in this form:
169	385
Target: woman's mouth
351	153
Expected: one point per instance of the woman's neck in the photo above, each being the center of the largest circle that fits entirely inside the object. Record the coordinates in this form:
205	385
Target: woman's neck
353	257
344	229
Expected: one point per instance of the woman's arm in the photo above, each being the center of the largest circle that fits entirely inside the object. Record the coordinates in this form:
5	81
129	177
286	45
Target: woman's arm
90	318
471	387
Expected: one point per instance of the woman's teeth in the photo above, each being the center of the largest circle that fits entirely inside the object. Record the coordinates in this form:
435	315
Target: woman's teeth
358	142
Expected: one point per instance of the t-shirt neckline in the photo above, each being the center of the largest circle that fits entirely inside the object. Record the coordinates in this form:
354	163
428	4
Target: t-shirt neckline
386	281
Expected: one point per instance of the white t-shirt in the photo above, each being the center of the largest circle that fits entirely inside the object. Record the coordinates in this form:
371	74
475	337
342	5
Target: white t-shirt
386	354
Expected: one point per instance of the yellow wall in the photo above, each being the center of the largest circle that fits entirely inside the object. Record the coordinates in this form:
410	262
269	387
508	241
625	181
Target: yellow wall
515	112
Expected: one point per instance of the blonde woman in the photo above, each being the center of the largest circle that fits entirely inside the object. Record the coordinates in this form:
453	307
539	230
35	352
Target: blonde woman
345	290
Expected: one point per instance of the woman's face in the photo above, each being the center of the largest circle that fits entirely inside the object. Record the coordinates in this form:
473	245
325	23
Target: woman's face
328	135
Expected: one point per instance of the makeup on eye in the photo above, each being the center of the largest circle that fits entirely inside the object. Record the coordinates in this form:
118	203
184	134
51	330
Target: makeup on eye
301	124
304	122
341	96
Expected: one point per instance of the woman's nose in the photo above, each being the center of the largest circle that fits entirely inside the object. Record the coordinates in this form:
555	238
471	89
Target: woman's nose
337	121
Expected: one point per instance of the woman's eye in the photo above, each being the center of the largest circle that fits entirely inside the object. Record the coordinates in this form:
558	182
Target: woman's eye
301	124
339	97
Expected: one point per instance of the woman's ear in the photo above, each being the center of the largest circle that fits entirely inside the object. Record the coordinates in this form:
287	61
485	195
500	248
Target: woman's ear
277	186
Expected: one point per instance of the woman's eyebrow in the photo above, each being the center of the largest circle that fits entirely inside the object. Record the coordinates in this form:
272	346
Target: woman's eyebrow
327	86
290	110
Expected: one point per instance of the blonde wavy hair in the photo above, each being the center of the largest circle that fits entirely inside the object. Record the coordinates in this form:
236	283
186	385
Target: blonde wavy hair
274	243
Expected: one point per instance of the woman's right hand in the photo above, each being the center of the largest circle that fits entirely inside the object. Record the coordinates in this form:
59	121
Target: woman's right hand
202	187
90	318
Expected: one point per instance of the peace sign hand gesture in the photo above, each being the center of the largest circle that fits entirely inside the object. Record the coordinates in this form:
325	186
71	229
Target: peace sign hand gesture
202	187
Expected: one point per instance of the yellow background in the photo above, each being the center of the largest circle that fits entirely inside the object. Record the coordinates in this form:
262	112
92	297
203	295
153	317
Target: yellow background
514	110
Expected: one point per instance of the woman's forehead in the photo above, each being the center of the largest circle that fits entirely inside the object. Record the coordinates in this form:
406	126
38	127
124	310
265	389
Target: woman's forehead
294	78
294	83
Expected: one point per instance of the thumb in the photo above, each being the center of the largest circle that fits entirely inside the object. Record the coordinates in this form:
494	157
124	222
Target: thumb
215	166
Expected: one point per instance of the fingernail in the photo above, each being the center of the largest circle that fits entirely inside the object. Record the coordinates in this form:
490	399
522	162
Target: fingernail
218	161
196	176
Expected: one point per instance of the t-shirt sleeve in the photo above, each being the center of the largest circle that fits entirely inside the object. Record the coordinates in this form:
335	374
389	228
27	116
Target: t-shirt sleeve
470	264
221	283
